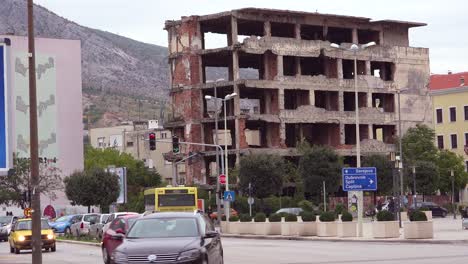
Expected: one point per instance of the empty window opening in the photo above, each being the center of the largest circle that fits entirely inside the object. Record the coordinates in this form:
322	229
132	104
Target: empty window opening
453	114
330	67
309	32
350	101
454	141
216	73
311	66
440	142
321	134
292	135
385	102
248	28
295	98
383	70
348	68
262	134
209	105
259	101
250	66
327	100
214	67
350	133
462	81
384	133
289	66
270	69
339	35
465	108
439	116
366	36
214	40
284	30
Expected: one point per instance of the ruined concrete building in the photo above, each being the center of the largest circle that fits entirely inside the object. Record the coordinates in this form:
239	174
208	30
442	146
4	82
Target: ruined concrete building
291	84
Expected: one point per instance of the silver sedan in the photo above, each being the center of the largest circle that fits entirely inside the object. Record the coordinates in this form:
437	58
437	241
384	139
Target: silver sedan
465	223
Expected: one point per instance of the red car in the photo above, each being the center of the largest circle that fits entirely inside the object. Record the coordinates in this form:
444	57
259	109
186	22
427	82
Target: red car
119	225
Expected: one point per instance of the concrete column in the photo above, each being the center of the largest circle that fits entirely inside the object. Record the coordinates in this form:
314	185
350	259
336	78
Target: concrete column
235	65
341	101
282	134
281	98
236	122
279	65
232	38
368	68
267	29
297	61
312	97
381	38
355	36
297	31
371	132
369	100
339	65
342	133
266	68
267	100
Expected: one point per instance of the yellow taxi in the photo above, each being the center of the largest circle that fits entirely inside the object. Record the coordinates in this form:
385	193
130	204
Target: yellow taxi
21	233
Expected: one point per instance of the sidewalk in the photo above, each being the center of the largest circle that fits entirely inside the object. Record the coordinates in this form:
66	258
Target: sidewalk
446	231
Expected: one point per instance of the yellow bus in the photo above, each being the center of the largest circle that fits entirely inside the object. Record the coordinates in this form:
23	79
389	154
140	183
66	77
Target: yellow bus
171	199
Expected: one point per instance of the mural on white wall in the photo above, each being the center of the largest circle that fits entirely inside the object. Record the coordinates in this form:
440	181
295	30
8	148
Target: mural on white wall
46	105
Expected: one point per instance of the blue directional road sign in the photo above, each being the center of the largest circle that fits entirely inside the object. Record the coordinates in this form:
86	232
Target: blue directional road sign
359	179
229	196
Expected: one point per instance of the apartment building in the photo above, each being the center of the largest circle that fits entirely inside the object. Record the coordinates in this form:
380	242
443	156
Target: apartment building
291	84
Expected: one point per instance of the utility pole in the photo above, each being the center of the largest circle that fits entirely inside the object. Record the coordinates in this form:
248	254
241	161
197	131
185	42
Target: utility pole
453	194
36	195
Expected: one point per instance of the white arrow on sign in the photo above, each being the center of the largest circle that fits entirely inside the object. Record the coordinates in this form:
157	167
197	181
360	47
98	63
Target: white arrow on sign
371	181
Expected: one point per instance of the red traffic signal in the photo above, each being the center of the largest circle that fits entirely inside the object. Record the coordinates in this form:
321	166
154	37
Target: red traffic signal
222	179
152	141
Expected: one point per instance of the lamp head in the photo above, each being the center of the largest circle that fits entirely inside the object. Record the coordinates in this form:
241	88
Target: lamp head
334	45
208	97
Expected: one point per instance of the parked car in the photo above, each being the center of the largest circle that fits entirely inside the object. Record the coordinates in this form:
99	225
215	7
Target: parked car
80	225
112	217
170	237
291	210
6	223
62	224
465	223
214	215
95	228
436	209
20	236
119	225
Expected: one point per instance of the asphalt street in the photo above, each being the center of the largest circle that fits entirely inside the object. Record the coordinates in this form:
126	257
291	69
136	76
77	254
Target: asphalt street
242	251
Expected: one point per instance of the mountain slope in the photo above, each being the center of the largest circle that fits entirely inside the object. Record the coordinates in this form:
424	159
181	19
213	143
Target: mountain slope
111	63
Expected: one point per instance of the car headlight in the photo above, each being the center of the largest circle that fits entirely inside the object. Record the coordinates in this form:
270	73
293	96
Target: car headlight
119	257
190	254
50	236
21	238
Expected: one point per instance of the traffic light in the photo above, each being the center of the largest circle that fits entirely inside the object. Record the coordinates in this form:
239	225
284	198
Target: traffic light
152	141
175	144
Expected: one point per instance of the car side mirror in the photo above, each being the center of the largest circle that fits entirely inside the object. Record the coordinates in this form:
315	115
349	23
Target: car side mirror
120	231
211	234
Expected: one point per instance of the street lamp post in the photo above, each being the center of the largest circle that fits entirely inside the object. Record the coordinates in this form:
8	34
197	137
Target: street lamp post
414	187
453	194
355	49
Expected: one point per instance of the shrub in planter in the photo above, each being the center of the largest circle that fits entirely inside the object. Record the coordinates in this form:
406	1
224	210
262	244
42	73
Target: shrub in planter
417	215
223	218
283	214
306	205
274	218
290	218
346	217
260	217
339	208
327	217
385	216
233	218
422	208
308	216
245	218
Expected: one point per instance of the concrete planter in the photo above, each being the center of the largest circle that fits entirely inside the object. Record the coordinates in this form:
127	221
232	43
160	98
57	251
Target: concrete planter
428	215
224	227
307	228
274	228
327	229
404	216
290	228
418	229
385	229
347	229
261	228
246	228
233	227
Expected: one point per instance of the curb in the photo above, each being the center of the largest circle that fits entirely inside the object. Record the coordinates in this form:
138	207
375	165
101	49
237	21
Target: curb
79	243
316	239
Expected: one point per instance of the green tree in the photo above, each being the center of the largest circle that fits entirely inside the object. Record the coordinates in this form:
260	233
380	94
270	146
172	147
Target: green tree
264	172
138	176
92	187
15	184
427	177
446	162
418	145
384	172
318	164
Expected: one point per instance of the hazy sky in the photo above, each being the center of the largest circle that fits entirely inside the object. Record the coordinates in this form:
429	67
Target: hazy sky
446	34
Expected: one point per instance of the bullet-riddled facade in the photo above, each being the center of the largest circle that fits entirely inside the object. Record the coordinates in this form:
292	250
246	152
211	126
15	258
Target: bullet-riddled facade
291	85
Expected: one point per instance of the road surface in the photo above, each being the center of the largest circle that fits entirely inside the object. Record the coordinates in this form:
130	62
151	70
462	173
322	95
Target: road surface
250	251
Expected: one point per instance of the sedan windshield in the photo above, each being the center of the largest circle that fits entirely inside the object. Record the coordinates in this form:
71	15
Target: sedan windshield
27	225
5	219
164	227
63	218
